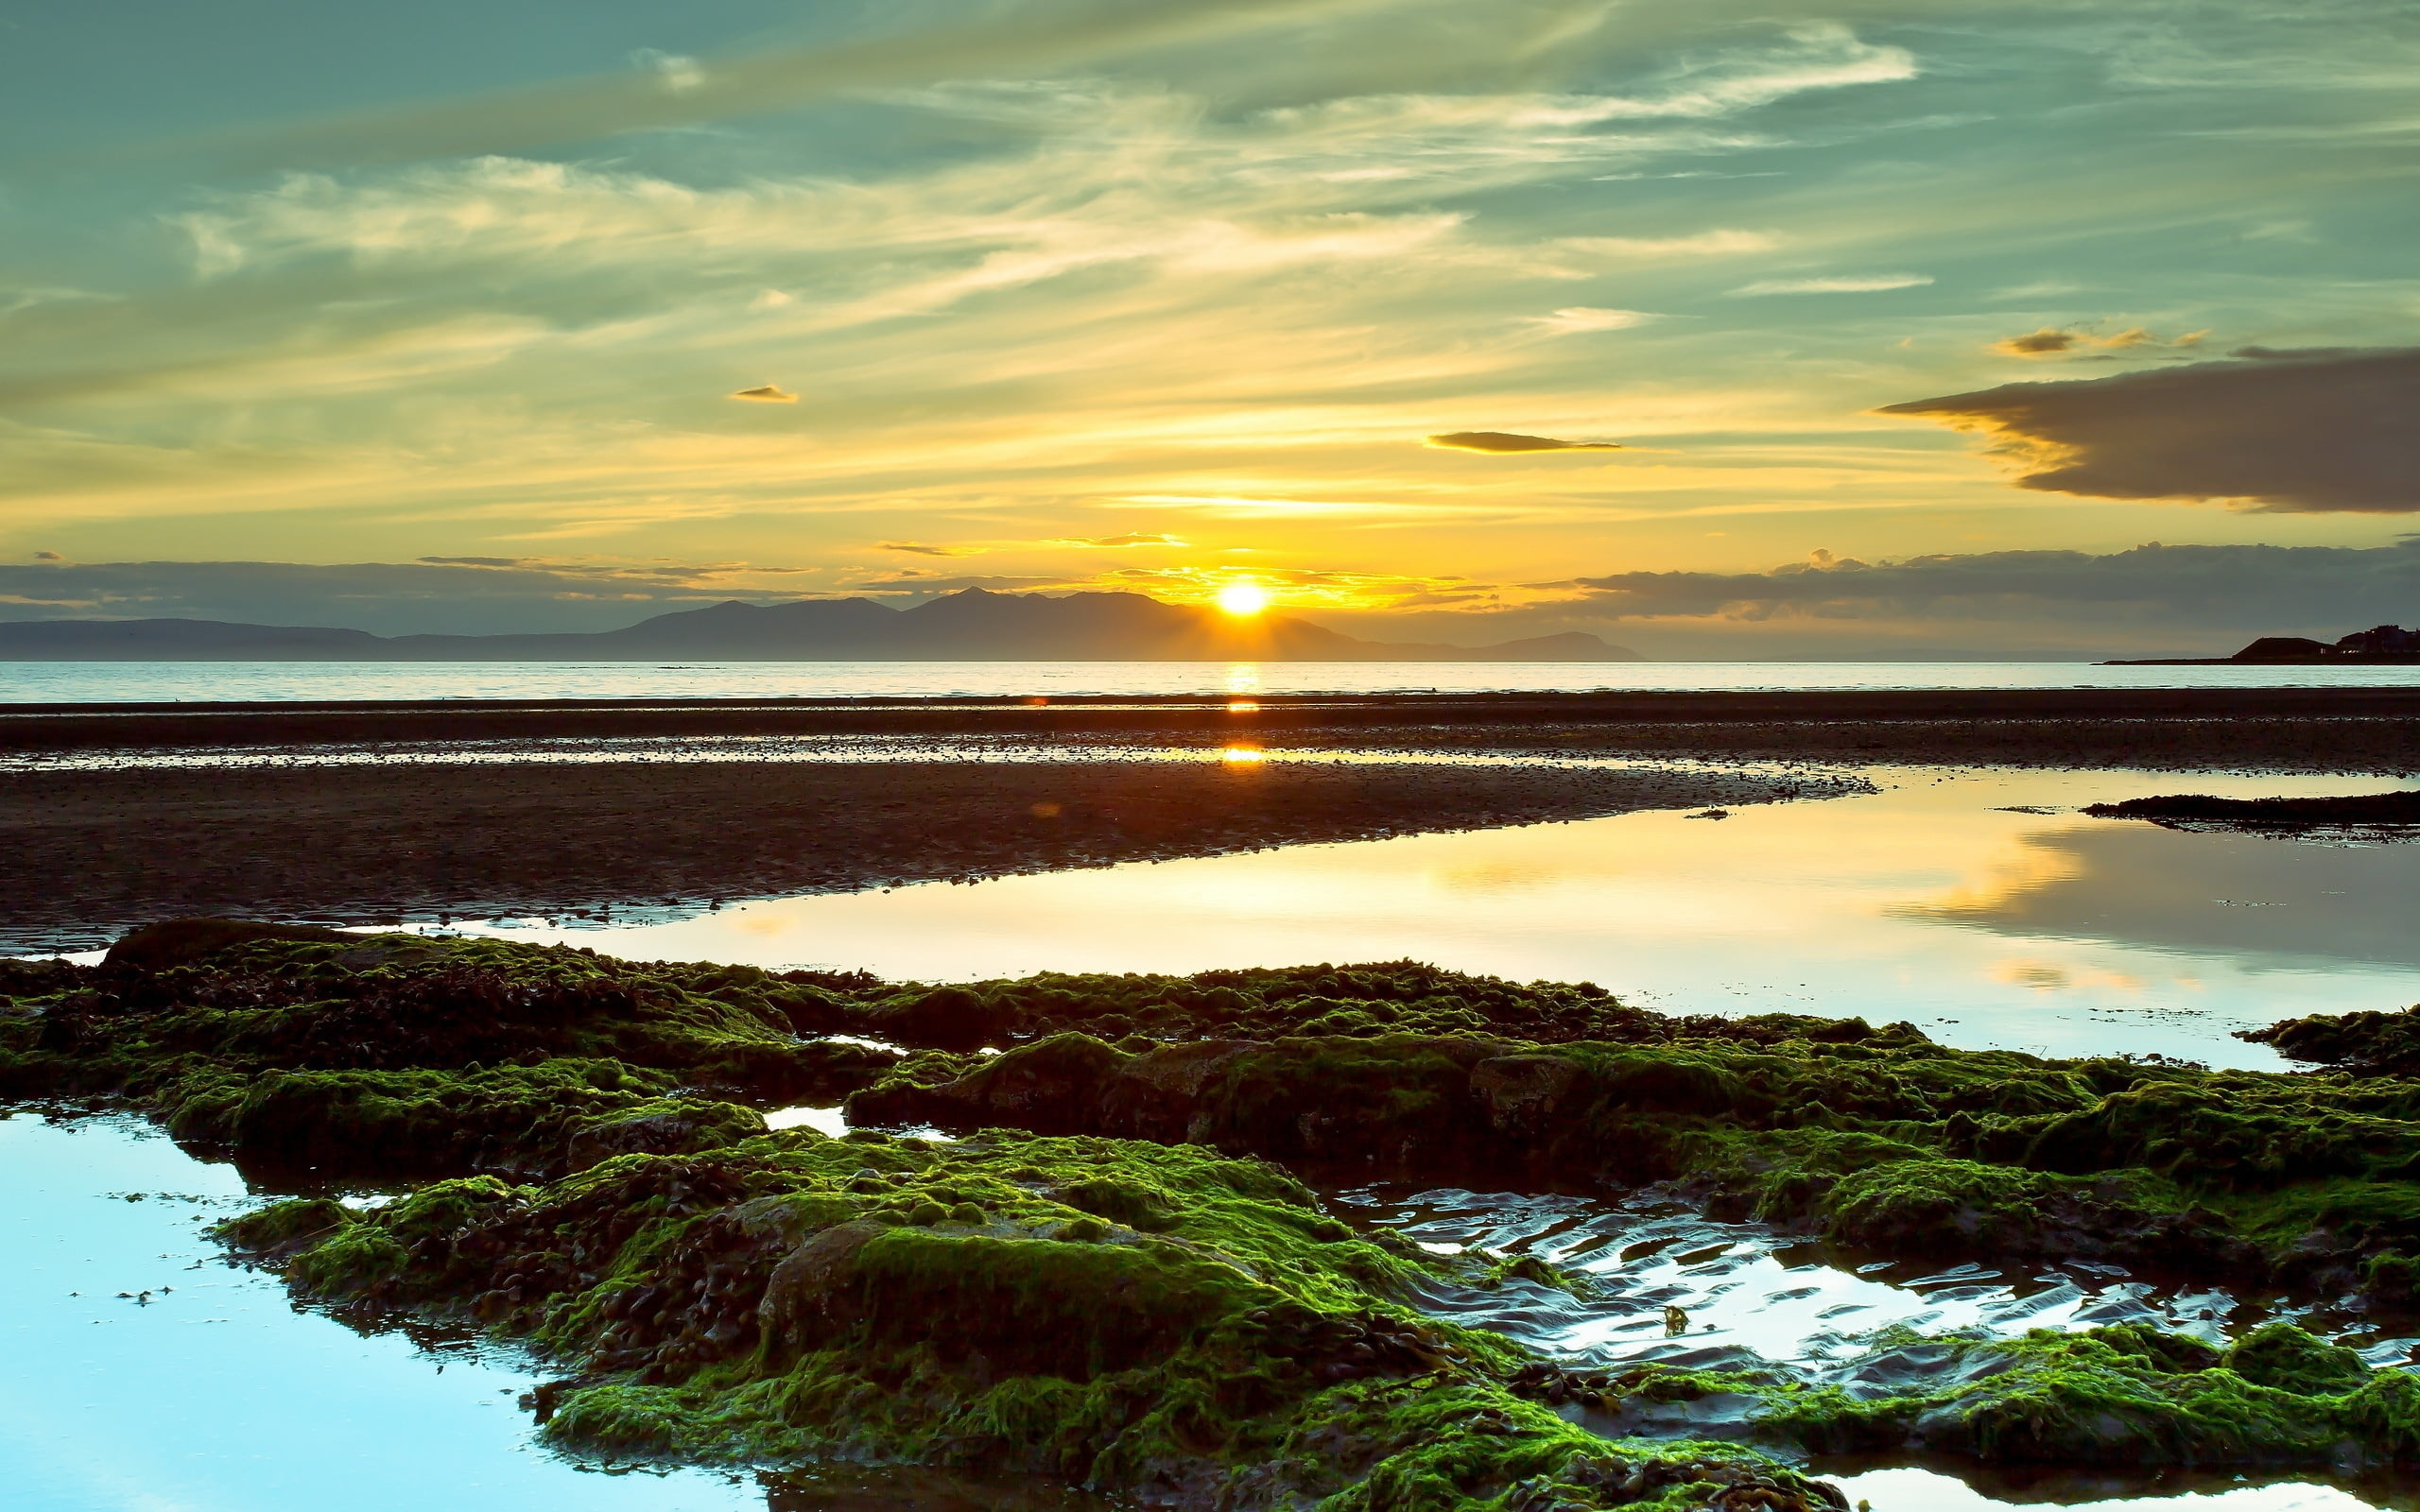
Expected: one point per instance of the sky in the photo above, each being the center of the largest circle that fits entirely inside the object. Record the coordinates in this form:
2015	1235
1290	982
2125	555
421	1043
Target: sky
1887	327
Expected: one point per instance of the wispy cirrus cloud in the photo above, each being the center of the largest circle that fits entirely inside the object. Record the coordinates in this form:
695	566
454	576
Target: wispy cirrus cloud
1581	319
548	351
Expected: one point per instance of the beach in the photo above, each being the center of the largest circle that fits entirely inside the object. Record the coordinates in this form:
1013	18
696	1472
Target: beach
365	814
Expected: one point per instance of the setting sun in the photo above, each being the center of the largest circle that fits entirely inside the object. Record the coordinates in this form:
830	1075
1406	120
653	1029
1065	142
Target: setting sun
1243	598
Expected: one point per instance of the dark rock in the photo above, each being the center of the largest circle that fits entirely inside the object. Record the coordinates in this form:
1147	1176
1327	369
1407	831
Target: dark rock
809	1298
2398	807
941	1017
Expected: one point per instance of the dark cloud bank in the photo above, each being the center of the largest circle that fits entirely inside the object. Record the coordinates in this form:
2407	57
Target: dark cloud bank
2153	599
2325	430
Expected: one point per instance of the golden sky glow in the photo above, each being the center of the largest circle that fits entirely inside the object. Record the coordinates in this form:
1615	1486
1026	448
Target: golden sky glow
1425	316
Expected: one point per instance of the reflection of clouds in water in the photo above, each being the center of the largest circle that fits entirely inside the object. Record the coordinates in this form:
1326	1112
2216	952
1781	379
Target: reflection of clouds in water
1758	1297
1834	908
2257	900
2048	976
1916	1490
1755	1295
1497	877
2025	864
2040	975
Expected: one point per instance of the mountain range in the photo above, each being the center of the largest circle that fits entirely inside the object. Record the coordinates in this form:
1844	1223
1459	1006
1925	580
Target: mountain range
974	624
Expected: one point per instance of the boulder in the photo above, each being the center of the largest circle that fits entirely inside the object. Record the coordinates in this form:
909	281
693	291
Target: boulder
810	1298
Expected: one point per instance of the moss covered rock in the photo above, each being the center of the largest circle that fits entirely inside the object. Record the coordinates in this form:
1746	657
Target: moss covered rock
1107	1282
1235	1346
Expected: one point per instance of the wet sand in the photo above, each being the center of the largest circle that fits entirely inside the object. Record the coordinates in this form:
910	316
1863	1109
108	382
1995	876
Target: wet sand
98	840
93	851
2318	729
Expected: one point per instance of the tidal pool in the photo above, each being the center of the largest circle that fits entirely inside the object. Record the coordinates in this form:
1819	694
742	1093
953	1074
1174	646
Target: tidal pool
1978	904
1754	1294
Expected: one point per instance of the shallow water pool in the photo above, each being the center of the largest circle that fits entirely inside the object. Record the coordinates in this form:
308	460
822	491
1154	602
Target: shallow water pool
1978	904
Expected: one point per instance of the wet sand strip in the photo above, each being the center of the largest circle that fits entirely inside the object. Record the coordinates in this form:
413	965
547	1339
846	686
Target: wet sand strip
91	853
2287	730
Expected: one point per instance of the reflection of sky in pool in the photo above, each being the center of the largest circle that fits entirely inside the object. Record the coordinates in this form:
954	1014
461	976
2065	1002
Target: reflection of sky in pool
1756	1294
216	1395
1929	901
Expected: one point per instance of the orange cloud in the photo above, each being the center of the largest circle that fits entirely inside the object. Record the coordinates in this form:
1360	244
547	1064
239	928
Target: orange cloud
768	394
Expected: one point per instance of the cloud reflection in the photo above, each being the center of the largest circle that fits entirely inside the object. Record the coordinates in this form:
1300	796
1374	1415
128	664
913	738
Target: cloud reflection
2258	901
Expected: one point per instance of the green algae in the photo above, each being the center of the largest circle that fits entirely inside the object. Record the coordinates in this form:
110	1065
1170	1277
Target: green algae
405	1055
1359	1001
2131	1395
753	1304
2365	1044
765	1302
437	1057
2126	1395
1890	1142
1106	1283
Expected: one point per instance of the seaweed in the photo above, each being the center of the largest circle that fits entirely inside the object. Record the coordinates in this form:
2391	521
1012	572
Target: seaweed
306	1048
2363	1044
2180	810
1897	1145
990	1304
1107	1281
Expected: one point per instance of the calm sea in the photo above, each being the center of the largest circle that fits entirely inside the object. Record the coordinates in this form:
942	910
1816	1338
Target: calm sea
262	681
